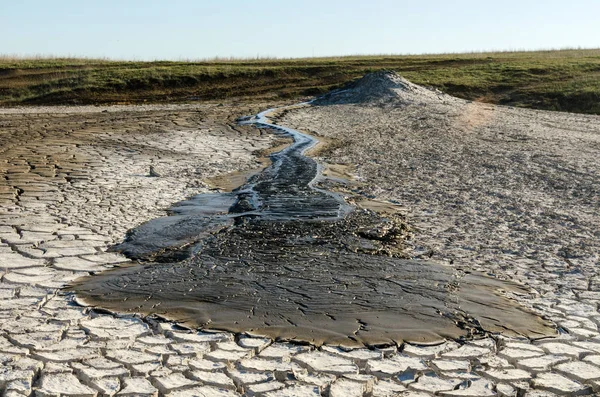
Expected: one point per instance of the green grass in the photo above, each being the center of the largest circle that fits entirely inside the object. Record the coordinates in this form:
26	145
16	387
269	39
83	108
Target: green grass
565	80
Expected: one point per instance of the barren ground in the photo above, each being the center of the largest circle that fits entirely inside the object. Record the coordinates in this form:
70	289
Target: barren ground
510	192
507	191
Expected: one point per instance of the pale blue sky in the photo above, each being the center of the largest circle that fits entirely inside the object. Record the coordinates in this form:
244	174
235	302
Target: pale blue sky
176	29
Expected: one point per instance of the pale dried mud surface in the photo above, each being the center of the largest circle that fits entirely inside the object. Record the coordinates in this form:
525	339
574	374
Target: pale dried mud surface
507	191
282	259
510	192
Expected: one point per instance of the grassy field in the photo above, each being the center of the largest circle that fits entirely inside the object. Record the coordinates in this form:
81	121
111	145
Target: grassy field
565	80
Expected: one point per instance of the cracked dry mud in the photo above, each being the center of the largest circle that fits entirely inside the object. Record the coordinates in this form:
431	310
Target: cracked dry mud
75	180
283	259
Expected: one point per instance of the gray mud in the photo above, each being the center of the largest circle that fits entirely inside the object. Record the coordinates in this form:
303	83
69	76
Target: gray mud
318	282
289	260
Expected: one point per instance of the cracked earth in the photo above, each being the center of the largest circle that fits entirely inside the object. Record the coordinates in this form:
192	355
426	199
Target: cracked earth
76	179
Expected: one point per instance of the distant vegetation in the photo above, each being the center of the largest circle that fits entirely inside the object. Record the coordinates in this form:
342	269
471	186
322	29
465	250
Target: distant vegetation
565	80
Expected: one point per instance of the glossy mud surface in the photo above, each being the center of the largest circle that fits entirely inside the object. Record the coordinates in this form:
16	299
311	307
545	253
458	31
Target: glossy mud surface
283	258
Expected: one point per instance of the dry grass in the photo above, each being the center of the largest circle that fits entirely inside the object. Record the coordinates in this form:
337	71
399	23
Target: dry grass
567	80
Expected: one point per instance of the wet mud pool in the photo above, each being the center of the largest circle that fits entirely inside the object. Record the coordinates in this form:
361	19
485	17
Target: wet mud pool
285	258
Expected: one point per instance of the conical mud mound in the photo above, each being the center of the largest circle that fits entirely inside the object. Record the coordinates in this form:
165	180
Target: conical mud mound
382	87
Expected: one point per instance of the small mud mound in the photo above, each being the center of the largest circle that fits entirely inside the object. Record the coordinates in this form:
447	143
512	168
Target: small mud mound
380	88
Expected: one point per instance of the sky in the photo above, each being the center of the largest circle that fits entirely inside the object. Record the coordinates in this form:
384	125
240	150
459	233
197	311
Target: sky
188	29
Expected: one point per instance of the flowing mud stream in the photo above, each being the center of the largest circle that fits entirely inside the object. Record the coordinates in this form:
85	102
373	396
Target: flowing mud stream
283	258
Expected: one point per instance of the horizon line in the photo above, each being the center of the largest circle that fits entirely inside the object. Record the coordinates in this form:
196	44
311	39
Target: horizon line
26	57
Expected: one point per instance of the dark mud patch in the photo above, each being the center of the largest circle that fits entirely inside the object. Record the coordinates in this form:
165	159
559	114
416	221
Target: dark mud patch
318	282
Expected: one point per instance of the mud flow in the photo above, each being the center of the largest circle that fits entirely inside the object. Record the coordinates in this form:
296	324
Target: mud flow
283	258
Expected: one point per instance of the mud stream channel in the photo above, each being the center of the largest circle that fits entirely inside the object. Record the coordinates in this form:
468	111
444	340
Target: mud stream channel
285	258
